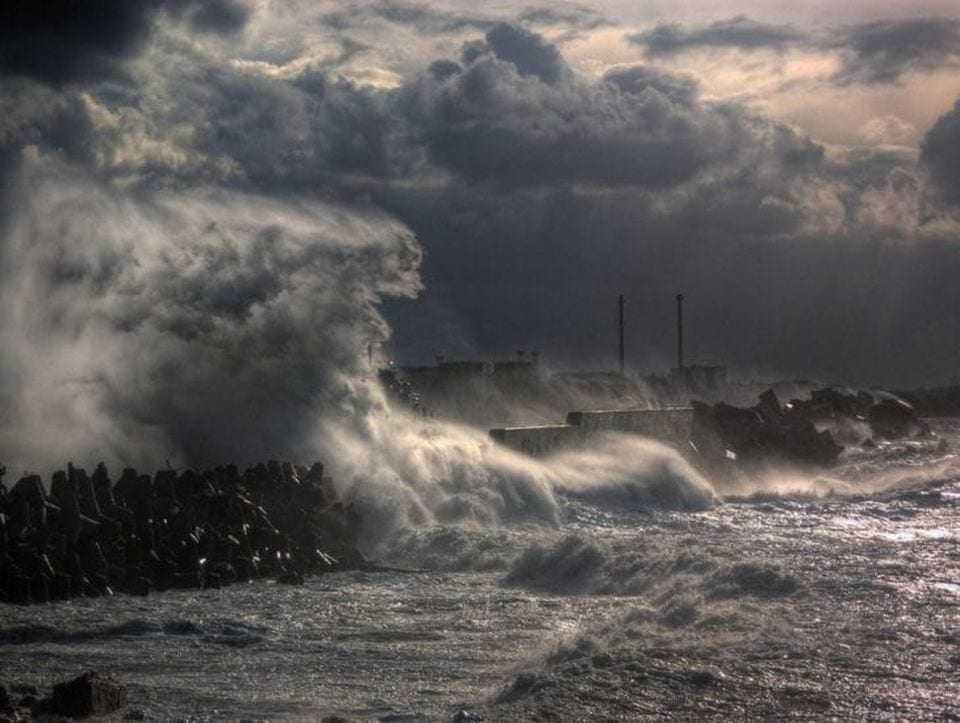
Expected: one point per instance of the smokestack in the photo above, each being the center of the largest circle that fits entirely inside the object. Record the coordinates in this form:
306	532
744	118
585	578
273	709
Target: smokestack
620	303
679	331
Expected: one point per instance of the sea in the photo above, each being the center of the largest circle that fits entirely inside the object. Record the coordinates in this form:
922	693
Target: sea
838	598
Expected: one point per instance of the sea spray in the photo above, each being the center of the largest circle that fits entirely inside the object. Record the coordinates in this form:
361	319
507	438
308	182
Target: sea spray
404	472
202	327
146	326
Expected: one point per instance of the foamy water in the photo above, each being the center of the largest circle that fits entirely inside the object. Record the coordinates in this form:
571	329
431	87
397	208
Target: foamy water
619	587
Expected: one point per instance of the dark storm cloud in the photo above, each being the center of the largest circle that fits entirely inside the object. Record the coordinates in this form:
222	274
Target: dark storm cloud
941	154
32	114
218	16
882	52
528	52
515	115
59	40
63	40
635	79
800	264
512	114
308	131
770	292
738	32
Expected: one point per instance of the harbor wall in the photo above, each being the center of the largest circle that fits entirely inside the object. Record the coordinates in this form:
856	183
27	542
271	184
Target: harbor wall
671	426
537	441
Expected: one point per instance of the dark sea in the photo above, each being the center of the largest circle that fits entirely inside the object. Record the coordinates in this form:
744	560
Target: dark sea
827	598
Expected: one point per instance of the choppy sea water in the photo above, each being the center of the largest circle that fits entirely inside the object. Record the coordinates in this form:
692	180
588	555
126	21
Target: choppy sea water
842	605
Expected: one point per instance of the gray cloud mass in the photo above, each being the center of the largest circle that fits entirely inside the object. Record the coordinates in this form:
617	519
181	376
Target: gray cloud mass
739	32
869	53
63	40
882	52
941	153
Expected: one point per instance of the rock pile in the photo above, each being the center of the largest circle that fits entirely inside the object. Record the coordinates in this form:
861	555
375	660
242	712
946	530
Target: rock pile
768	433
92	537
89	695
736	439
887	416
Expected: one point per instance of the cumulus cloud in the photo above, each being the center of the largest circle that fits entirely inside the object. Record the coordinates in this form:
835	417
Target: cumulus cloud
515	116
528	52
941	154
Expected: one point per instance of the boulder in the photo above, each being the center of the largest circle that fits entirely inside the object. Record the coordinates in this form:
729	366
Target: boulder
90	694
102	488
6	703
290	577
888	416
768	433
893	418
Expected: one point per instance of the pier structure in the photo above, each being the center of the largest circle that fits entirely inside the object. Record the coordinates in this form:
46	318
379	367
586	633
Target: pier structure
668	425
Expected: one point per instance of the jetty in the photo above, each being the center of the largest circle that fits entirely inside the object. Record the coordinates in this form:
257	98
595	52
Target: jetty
90	536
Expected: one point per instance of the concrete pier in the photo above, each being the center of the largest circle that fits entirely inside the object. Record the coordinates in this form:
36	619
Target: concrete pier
671	426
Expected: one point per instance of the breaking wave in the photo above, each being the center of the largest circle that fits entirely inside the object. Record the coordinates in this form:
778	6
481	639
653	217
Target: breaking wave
582	564
406	473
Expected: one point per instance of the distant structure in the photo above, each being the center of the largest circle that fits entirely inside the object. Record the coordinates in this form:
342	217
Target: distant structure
453	373
471	388
696	377
699	377
620	305
679	331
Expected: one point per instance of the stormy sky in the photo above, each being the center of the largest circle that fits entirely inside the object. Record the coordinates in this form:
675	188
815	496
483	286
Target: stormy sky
192	184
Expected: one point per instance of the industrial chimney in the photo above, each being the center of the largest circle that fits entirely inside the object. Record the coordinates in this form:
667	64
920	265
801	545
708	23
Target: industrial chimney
620	303
679	331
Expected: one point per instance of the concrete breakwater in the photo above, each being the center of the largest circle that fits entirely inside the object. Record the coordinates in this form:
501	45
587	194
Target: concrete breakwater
670	425
190	529
726	441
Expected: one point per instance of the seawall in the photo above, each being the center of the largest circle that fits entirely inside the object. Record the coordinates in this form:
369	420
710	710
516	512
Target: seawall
671	426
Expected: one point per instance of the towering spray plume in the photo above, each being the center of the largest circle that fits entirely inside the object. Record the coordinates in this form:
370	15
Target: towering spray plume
203	328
